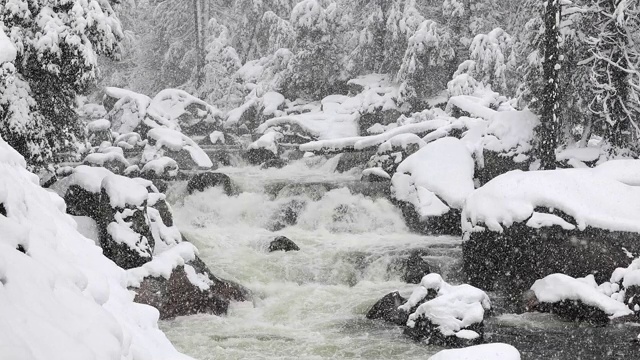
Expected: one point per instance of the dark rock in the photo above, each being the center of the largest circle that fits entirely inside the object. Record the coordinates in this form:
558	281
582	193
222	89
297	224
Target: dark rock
352	159
274	163
283	243
513	260
387	309
429	333
383	117
165	212
415	268
446	224
259	156
497	164
121	253
160	184
177	296
288	215
372	177
81	202
205	180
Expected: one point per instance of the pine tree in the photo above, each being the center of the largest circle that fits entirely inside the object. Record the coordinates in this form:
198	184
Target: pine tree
58	42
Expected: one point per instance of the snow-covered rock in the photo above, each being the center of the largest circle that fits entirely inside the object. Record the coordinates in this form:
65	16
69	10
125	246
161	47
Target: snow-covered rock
172	143
576	299
455	315
571	221
435	180
61	298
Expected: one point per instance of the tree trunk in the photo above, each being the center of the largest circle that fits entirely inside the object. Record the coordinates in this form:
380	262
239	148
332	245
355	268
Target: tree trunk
549	126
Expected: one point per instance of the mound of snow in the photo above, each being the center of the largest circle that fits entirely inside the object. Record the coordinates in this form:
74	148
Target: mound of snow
268	141
98	125
176	141
60	298
558	287
495	351
440	171
598	197
454	308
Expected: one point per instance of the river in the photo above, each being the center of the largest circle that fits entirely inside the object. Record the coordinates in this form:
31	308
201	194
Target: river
311	304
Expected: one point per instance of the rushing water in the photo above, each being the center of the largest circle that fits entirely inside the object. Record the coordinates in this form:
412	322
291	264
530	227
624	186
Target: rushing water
311	304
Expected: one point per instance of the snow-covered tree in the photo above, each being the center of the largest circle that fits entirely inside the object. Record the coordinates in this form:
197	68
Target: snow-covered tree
58	42
614	57
426	65
314	70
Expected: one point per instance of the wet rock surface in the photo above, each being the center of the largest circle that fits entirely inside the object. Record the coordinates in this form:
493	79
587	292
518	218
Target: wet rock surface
203	181
282	243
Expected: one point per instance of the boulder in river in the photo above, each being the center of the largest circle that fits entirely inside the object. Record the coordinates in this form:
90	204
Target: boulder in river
415	268
277	163
257	156
387	309
205	180
282	243
190	289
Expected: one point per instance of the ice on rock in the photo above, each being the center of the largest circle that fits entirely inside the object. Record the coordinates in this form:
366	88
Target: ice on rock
496	351
558	287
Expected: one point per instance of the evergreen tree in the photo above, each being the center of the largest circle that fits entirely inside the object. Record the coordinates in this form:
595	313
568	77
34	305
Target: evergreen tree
58	42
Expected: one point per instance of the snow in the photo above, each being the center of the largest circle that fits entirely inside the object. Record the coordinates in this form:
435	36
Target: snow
88	178
540	220
586	154
7	49
629	276
558	287
592	197
162	264
88	228
161	166
176	141
63	300
454	308
122	233
267	141
421	127
272	101
511	131
496	351
217	137
142	101
123	191
100	159
401	141
473	105
169	104
443	170
376	171
98	125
